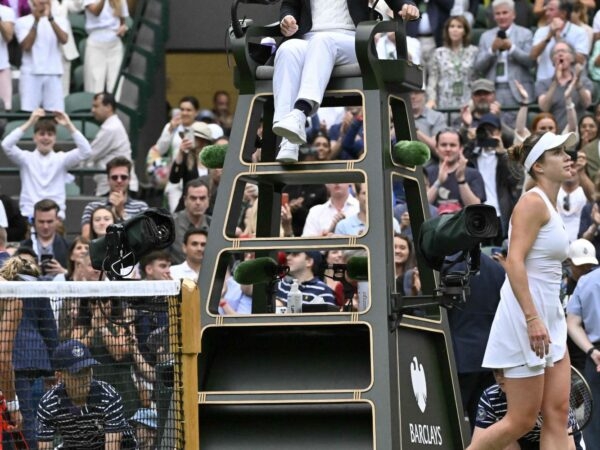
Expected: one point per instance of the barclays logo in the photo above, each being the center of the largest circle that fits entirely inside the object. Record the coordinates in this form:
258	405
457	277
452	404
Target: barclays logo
419	384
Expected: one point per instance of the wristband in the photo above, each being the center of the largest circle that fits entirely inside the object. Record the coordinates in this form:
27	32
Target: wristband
570	106
463	181
13	406
436	184
590	351
222	303
50	18
531	319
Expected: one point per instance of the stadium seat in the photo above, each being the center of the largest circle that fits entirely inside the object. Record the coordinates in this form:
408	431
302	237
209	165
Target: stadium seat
77	79
476	35
79	102
81	48
10	126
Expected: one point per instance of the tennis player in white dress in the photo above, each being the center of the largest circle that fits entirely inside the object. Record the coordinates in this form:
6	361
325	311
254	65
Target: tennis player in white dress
529	332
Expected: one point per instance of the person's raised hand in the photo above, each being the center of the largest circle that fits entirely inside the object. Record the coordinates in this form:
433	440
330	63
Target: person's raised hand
288	26
522	91
62	118
495	107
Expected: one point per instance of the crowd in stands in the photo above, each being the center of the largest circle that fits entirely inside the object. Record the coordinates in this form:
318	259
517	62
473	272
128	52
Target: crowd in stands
527	73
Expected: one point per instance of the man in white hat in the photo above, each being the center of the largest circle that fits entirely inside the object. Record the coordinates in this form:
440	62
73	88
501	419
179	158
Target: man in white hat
583	324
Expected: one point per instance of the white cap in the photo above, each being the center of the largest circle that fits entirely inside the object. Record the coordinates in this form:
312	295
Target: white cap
548	141
216	131
581	252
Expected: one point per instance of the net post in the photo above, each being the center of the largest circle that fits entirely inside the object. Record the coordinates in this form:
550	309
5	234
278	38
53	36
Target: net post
190	347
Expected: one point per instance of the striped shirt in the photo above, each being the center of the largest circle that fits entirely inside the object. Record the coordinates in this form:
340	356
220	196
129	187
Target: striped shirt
492	408
81	428
313	290
132	207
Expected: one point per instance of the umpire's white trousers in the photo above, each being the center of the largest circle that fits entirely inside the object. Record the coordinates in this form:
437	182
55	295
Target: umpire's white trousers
303	67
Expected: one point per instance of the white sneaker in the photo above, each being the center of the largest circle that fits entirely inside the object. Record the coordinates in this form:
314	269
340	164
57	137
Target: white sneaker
292	127
288	152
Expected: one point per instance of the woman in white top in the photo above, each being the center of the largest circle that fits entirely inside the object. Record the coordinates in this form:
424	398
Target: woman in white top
105	25
62	8
529	332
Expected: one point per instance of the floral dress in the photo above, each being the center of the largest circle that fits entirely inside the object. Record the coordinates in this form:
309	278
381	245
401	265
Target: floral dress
450	76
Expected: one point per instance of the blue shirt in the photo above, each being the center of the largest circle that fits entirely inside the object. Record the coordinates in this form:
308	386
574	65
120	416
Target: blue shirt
585	303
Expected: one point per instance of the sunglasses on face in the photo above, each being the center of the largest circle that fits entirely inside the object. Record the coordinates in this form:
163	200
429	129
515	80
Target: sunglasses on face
566	202
119	177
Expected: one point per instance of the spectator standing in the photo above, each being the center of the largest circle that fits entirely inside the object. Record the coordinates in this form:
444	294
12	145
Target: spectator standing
568	88
429	30
40	35
7	30
583	321
62	8
451	67
558	28
169	143
105	26
122	204
187	165
582	260
572	198
43	171
503	56
501	177
111	141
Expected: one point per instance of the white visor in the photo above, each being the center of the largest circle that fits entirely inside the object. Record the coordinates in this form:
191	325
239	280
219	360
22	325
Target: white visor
548	141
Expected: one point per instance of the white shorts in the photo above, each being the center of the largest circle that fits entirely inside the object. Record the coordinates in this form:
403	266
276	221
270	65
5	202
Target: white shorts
525	371
41	91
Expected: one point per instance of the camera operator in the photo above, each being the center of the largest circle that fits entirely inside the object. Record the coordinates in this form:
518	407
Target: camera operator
501	178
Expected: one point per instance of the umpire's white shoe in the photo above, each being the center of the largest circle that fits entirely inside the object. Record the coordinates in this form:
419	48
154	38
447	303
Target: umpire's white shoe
292	127
288	152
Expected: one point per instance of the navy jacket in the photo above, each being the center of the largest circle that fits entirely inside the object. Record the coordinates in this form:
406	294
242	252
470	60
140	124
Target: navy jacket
60	248
359	11
470	325
37	336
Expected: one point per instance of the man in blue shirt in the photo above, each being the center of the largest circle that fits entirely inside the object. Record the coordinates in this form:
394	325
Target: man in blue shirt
303	266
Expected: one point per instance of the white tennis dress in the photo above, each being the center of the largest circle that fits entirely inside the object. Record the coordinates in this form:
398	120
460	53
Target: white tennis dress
508	344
